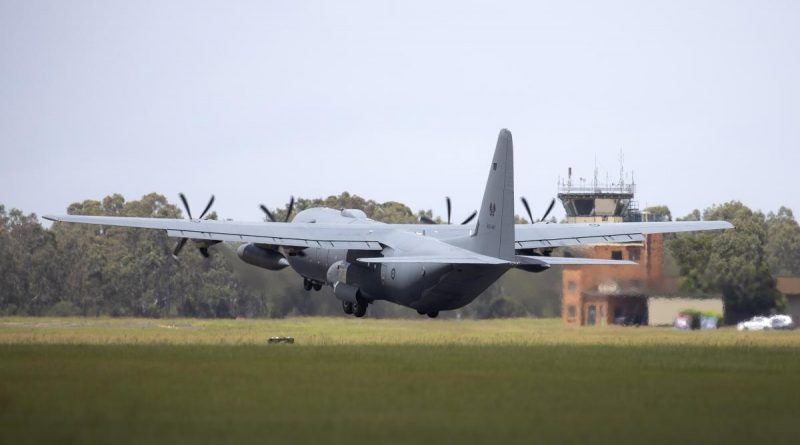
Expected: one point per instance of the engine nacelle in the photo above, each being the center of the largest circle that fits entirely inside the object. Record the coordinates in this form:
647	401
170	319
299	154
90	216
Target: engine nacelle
265	258
337	276
346	292
337	272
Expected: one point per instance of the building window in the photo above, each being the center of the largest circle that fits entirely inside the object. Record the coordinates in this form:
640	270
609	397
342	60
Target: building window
571	312
634	254
571	285
616	255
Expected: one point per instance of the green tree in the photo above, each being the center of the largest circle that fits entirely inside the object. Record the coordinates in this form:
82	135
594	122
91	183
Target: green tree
659	213
731	262
783	242
30	278
693	216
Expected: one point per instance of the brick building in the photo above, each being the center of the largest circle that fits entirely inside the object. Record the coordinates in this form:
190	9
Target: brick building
602	295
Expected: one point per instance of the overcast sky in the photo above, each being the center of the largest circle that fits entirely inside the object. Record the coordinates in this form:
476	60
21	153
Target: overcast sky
256	101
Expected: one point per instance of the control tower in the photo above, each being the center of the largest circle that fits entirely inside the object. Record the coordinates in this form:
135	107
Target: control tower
605	295
595	201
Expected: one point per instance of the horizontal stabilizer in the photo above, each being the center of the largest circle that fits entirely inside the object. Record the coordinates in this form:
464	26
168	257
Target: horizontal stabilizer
472	259
566	261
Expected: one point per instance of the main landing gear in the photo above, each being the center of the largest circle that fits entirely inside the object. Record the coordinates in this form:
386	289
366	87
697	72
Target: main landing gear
311	284
432	314
359	308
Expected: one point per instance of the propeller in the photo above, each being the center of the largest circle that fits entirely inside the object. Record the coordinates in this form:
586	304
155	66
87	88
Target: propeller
182	241
426	220
289	209
527	208
549	250
546	213
549	209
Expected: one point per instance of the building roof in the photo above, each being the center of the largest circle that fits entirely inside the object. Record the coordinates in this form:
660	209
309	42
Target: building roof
789	285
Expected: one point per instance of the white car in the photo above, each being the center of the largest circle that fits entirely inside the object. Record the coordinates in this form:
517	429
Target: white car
782	322
757	323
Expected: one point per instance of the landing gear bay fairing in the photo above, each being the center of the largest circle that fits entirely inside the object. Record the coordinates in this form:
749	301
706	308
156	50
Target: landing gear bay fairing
430	268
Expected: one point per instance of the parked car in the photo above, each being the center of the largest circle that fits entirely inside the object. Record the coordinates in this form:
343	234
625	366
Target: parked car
757	323
682	322
782	322
760	323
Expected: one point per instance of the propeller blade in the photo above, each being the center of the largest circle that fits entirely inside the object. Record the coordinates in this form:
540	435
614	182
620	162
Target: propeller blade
178	247
208	206
549	209
289	209
269	214
470	217
527	209
426	220
185	204
449	208
182	241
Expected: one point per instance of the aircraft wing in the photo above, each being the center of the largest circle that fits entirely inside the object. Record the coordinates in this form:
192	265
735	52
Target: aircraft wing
436	259
566	261
483	259
331	236
376	236
531	236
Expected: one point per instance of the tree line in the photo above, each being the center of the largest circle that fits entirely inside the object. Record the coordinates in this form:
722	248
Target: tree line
88	270
75	269
740	264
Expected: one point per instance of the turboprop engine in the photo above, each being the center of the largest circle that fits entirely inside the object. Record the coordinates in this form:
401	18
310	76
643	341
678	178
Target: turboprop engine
257	256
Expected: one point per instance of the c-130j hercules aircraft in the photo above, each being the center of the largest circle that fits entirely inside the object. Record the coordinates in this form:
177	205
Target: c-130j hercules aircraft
429	268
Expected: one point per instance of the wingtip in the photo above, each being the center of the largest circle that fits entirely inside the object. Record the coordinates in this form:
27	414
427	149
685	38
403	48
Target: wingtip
50	217
723	225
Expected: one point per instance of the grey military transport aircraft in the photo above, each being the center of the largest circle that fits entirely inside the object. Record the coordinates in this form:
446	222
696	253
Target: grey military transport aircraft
426	267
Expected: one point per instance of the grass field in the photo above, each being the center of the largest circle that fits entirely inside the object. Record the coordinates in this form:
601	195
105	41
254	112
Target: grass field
391	381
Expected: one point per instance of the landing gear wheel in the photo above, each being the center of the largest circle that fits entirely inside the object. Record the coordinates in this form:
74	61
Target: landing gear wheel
420	311
306	284
347	307
360	308
433	314
317	286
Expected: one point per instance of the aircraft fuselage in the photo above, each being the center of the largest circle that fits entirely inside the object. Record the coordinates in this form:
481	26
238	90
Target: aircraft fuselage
428	288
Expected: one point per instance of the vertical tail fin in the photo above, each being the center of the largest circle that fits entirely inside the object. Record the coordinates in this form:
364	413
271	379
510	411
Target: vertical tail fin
494	233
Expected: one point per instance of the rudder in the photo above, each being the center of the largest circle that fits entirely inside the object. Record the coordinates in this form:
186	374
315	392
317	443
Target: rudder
494	232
